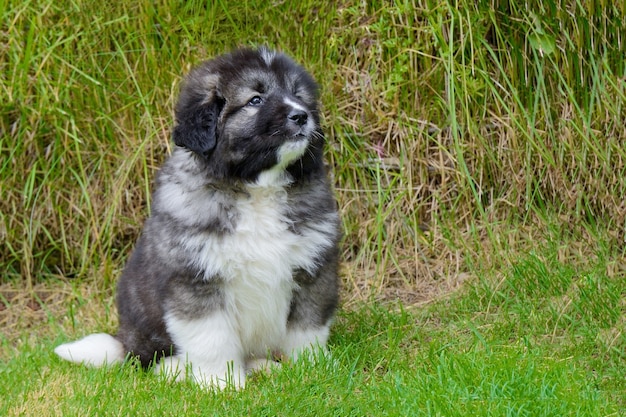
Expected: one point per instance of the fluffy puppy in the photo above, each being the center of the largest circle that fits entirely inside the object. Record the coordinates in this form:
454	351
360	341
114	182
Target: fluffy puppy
238	260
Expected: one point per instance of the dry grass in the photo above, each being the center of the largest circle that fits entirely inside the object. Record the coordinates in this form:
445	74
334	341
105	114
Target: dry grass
44	399
457	129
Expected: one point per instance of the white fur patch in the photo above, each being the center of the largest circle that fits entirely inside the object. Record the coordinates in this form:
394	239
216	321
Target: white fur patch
262	247
93	350
287	153
267	55
297	341
290	151
261	365
210	349
293	104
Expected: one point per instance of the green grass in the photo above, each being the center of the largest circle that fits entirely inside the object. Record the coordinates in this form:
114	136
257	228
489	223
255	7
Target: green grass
544	340
478	155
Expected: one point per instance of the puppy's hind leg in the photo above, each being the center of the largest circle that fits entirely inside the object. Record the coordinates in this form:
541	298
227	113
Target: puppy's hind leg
312	311
94	350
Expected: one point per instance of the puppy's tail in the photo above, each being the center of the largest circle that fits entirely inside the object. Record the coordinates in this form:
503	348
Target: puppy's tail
93	350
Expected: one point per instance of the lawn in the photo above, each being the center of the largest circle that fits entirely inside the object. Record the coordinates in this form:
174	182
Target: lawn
478	156
545	339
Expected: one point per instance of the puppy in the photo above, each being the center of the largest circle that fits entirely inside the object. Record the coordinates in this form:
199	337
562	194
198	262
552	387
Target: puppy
238	260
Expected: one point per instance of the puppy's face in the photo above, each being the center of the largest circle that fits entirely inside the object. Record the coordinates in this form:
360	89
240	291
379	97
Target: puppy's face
249	112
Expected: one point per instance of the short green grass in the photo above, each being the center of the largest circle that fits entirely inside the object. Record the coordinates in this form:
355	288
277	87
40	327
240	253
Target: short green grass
545	339
477	149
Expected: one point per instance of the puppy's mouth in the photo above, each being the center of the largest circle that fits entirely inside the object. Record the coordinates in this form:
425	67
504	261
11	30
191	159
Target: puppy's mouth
303	132
289	133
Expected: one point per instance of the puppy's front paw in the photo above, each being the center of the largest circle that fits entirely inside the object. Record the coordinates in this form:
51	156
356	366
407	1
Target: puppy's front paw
262	365
208	376
172	368
232	378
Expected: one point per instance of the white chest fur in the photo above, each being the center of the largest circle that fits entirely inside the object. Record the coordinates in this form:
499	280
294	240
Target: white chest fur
256	263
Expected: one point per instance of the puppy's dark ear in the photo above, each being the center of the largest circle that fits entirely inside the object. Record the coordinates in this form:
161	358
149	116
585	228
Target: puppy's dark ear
197	128
197	114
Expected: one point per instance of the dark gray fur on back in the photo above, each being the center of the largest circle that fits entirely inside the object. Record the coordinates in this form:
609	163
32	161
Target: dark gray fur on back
200	190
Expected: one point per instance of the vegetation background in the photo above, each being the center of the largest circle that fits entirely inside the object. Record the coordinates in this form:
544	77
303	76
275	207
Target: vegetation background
479	156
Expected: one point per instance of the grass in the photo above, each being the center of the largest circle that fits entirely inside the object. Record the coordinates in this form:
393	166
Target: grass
442	121
478	156
544	340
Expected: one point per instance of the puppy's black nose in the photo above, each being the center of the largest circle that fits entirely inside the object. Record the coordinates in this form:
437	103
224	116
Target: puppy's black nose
298	116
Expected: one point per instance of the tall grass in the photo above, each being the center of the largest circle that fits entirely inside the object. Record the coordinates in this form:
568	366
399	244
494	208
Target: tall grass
452	126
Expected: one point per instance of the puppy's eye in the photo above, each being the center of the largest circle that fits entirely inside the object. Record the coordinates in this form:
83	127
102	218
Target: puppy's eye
255	101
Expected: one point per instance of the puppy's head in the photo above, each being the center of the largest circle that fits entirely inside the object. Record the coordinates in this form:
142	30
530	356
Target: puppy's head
249	112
